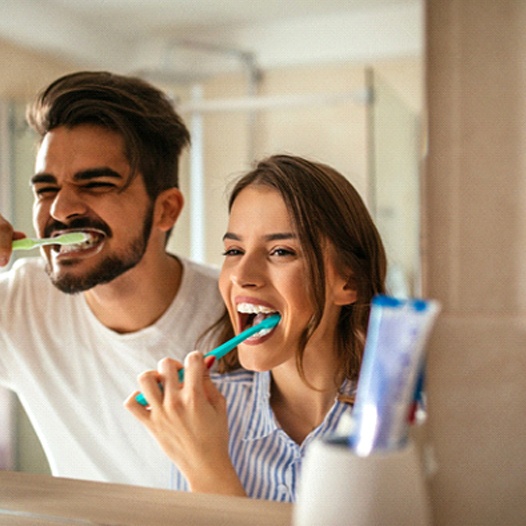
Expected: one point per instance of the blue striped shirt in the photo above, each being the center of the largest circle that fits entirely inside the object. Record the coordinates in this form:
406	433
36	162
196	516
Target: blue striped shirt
265	458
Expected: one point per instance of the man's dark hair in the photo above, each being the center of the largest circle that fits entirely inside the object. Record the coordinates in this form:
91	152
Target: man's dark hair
154	134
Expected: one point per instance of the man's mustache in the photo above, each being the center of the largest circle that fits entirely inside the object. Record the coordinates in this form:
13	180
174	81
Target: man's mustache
77	224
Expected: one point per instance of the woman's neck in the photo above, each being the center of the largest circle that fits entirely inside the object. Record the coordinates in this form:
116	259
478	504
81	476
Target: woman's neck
300	405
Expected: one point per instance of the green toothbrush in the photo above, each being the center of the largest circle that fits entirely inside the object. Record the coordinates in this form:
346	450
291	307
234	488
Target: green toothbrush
70	238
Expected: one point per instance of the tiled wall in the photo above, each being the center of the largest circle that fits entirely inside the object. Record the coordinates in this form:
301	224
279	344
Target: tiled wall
474	205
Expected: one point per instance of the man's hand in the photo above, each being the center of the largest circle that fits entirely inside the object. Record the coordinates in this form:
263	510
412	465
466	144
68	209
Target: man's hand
7	236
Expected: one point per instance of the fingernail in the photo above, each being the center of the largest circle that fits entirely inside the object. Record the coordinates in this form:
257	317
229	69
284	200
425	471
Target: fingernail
211	361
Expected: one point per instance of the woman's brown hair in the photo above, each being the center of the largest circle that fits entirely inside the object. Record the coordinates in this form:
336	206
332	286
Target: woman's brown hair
326	211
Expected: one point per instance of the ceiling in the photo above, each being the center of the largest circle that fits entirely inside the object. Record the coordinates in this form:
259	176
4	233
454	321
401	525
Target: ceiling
149	16
133	35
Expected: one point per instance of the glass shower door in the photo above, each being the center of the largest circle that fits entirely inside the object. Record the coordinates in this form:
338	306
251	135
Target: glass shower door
394	183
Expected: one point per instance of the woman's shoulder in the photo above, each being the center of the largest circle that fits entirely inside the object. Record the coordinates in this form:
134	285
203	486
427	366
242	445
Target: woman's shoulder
235	384
239	377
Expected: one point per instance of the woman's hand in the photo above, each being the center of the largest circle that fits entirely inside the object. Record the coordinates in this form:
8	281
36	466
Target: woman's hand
189	421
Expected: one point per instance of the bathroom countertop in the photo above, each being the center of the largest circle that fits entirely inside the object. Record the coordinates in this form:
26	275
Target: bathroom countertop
41	500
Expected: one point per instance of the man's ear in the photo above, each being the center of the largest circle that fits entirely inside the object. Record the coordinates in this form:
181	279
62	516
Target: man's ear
168	206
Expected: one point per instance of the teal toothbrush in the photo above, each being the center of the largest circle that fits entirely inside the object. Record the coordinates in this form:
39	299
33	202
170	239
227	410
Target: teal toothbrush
71	238
225	348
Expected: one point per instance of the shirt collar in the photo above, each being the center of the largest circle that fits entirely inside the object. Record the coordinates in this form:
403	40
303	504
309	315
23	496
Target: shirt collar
261	421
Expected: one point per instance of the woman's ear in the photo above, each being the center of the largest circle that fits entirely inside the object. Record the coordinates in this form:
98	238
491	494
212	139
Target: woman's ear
346	293
343	289
168	206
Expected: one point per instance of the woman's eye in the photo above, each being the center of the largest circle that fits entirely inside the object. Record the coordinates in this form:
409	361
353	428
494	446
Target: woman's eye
281	252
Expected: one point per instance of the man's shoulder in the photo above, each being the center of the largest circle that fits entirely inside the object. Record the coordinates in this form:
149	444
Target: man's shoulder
198	294
26	287
199	278
194	269
30	264
25	269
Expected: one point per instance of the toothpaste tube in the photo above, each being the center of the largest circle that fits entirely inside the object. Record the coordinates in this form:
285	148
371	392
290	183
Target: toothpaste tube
392	363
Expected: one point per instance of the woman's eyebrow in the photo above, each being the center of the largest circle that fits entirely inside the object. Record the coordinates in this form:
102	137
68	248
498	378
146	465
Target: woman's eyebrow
279	236
231	236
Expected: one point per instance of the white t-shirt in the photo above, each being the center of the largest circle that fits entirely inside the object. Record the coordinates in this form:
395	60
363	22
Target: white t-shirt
72	373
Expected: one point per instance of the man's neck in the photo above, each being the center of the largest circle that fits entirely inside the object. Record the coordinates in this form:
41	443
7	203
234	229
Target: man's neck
139	297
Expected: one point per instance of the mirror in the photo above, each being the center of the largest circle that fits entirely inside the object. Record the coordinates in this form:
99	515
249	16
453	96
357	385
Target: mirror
334	86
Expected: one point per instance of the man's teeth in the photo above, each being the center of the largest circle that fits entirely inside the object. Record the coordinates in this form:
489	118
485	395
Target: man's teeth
91	241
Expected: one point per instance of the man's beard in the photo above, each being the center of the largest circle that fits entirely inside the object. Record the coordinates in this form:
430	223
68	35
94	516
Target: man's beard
109	268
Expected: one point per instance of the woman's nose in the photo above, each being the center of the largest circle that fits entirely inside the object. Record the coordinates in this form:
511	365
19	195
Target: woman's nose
249	273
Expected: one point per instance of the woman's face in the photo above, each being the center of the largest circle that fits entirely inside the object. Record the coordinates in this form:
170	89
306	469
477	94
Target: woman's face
265	272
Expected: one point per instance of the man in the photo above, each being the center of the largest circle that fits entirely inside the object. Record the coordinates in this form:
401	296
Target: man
73	343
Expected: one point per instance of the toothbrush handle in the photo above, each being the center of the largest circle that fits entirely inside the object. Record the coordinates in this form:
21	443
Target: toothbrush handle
226	347
23	244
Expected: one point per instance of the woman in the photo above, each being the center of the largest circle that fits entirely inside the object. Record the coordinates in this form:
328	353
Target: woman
300	243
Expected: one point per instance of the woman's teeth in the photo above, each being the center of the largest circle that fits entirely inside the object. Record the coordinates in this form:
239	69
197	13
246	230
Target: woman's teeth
253	314
252	308
262	332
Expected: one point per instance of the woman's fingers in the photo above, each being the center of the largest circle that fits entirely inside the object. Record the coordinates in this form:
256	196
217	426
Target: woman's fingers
194	369
151	386
214	396
188	419
162	386
150	390
139	411
168	369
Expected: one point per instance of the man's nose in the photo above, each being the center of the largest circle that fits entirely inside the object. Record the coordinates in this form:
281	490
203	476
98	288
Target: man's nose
67	205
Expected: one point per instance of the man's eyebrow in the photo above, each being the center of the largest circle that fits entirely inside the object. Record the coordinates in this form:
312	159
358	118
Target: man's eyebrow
82	175
43	178
280	236
94	173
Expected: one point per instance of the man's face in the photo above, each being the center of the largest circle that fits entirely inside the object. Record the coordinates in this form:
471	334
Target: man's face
80	184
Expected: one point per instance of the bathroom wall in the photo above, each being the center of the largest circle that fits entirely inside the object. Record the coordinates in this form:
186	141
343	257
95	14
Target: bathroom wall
475	231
